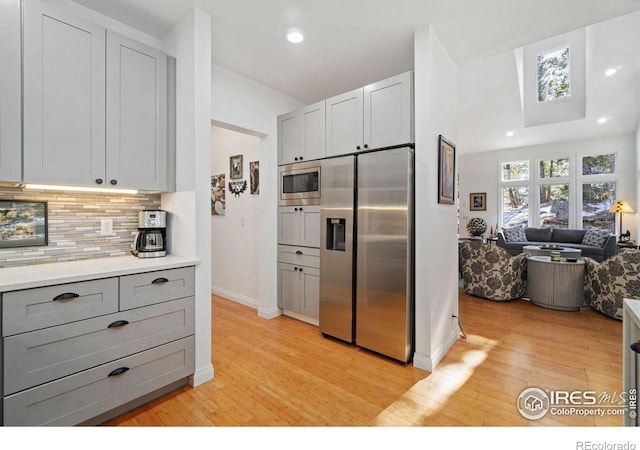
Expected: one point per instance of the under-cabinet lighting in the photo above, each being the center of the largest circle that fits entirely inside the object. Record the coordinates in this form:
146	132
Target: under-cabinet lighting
610	72
510	133
602	120
80	189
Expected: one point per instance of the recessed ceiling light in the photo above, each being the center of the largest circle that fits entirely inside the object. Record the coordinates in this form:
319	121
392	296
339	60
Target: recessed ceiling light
602	120
295	37
610	72
510	133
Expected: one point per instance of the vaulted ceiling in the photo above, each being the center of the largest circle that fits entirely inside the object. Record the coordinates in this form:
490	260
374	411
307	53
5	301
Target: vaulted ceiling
350	43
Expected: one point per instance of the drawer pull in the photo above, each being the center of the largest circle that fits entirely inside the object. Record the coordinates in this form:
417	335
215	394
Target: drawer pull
65	296
635	346
118	324
118	371
298	252
159	281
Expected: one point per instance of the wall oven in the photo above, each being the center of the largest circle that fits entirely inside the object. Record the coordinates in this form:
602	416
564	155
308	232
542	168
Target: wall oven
299	184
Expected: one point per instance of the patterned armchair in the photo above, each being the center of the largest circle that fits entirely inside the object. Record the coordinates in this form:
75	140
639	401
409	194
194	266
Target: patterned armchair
609	282
490	272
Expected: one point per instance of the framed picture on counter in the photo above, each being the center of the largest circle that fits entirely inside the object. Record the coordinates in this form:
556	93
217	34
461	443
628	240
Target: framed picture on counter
23	223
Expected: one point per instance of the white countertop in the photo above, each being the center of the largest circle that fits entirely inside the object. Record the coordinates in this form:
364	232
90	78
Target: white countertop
632	307
25	277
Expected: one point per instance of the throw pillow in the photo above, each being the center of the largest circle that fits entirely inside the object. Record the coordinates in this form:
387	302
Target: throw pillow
515	234
595	237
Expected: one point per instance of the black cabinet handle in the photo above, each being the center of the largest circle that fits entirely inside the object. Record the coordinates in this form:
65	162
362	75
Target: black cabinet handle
301	158
65	296
114	182
118	371
118	324
300	269
635	346
295	268
357	147
159	281
98	180
298	252
295	159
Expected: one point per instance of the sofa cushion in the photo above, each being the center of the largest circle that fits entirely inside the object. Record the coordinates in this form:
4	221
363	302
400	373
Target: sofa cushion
515	234
595	237
538	234
568	236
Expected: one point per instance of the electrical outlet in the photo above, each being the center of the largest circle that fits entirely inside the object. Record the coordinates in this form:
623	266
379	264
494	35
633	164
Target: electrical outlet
106	227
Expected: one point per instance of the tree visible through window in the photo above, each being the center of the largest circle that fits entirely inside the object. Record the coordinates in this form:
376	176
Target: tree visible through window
553	75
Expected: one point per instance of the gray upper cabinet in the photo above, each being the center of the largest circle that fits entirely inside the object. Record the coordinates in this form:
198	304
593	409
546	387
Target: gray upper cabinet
301	134
10	112
375	116
95	104
345	123
388	112
136	114
64	97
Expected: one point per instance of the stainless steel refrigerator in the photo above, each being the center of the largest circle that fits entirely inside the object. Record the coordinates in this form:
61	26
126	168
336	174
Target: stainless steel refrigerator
366	252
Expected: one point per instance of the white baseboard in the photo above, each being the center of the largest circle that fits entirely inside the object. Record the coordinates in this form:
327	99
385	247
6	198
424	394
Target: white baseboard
300	317
269	313
238	298
201	375
429	363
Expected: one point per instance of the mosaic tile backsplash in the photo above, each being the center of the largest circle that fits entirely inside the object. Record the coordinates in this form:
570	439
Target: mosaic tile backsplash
74	225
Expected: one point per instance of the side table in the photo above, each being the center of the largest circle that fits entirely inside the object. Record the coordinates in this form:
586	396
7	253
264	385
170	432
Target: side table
555	284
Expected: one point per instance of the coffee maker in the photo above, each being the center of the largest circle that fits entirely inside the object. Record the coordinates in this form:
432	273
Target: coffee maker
150	241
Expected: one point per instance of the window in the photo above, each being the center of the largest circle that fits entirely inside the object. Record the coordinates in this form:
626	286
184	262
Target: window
599	164
597	199
558	196
599	191
554	168
515	206
515	193
554	206
553	75
515	170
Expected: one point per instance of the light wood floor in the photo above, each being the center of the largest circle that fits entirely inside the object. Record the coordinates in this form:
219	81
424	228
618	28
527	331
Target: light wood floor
282	372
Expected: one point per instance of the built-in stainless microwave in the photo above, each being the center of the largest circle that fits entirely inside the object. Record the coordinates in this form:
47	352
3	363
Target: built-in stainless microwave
300	184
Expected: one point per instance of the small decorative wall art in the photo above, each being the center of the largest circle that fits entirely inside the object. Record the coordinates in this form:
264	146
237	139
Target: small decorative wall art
254	171
23	223
218	203
478	201
235	167
237	187
446	171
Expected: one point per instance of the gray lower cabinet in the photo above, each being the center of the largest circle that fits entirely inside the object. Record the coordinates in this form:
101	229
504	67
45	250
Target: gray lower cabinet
76	351
299	280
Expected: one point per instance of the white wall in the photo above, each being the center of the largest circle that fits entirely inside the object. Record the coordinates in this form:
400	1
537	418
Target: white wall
245	105
189	224
436	293
235	236
479	172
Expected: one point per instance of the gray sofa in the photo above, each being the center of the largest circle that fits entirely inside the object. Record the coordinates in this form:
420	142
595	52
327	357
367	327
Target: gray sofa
563	237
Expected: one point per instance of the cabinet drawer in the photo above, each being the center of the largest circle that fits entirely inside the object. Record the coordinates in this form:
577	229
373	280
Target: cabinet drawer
156	287
32	309
82	396
44	355
301	256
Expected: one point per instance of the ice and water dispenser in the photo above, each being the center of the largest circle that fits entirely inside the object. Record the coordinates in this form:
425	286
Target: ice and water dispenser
336	234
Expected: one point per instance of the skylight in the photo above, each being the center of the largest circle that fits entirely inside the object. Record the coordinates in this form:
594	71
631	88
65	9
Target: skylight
553	75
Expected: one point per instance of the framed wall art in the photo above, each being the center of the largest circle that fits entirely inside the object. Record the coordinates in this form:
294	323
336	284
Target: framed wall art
218	201
235	167
23	223
254	172
446	171
478	201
